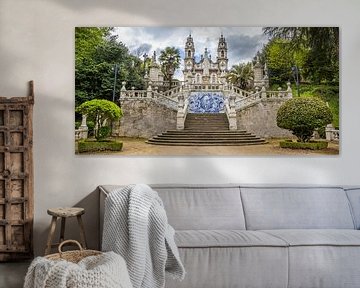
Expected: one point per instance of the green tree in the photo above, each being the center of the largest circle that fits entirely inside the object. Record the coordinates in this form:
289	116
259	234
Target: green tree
87	40
101	112
279	57
322	44
97	52
302	116
170	61
241	75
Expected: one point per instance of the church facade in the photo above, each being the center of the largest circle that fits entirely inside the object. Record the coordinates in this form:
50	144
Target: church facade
207	70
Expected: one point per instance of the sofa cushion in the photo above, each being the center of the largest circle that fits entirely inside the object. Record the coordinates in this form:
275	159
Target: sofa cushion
322	258
315	237
354	198
296	208
324	266
226	238
225	267
204	208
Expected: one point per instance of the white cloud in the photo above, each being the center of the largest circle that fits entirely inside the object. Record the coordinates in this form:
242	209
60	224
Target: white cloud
243	42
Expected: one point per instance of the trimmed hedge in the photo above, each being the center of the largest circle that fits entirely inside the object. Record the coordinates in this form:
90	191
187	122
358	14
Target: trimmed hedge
97	146
302	116
313	145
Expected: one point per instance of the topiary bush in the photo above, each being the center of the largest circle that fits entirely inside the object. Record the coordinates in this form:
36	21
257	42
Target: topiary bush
101	112
302	116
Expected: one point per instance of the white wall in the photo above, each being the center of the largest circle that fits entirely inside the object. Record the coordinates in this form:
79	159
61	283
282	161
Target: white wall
37	42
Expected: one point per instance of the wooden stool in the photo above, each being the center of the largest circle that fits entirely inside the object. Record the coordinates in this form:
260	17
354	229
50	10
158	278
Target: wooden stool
64	213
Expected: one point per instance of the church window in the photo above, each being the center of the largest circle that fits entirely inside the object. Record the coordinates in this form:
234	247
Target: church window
189	53
222	54
197	78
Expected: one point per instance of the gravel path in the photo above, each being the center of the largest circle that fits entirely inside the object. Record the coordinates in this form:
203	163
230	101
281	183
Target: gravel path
138	147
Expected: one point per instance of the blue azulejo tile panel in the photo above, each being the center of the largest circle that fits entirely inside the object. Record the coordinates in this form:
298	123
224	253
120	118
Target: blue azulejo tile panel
206	102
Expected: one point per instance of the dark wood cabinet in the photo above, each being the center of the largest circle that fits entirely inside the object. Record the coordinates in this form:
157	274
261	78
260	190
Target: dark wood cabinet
16	177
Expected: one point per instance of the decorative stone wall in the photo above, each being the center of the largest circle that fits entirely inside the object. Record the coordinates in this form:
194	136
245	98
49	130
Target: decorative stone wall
144	118
260	119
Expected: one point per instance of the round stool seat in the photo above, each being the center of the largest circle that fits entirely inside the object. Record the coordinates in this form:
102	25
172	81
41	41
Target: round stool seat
66	211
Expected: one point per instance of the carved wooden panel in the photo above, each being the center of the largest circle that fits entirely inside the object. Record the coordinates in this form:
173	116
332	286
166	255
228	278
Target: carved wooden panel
16	177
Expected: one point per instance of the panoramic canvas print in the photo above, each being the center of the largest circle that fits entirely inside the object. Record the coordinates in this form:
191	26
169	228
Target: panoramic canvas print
207	91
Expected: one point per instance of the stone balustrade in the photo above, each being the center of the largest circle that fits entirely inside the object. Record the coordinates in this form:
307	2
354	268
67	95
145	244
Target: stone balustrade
331	133
82	132
231	112
182	112
134	94
236	98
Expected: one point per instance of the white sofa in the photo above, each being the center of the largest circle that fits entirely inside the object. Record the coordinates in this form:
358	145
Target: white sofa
263	236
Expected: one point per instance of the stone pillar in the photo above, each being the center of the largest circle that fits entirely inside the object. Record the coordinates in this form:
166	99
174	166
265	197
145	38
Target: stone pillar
232	113
149	91
289	90
180	117
258	73
263	92
83	129
328	132
123	89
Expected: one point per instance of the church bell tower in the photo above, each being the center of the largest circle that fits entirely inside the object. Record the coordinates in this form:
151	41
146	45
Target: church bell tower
222	54
189	60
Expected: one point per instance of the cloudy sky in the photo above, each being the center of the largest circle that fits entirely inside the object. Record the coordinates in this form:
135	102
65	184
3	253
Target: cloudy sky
243	42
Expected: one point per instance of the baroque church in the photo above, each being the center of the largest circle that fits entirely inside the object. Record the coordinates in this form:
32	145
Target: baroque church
206	70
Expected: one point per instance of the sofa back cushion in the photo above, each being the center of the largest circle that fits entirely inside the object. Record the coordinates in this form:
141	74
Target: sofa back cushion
202	207
354	198
296	208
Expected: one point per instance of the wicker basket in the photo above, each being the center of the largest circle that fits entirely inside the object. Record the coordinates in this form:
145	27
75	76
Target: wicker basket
72	256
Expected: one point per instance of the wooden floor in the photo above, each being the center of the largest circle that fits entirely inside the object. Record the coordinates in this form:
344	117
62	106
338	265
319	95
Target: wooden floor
12	274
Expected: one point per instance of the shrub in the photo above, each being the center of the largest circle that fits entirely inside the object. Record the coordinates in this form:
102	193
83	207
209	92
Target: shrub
100	111
302	116
103	132
304	145
97	146
77	124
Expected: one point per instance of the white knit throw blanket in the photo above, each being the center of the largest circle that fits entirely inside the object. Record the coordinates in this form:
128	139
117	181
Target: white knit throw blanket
136	227
102	271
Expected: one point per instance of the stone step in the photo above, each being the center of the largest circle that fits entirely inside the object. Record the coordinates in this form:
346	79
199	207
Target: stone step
201	132
193	138
206	121
206	143
206	130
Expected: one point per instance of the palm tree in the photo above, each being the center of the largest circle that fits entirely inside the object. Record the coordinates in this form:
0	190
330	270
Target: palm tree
170	61
241	75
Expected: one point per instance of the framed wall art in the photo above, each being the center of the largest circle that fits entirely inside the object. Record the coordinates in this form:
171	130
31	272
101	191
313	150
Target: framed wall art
235	91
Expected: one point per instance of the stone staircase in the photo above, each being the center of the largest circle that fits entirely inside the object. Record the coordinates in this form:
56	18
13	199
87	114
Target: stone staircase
206	129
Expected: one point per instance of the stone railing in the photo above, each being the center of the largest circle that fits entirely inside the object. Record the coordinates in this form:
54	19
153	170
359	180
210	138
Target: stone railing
262	95
231	112
173	92
331	133
171	103
183	105
239	92
204	87
82	132
133	93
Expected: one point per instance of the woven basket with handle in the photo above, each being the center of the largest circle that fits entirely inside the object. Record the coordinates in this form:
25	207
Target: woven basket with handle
72	256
